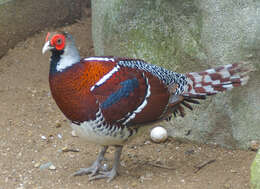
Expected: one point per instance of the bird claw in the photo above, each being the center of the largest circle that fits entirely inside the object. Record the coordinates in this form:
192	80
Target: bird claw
97	171
86	171
92	170
104	174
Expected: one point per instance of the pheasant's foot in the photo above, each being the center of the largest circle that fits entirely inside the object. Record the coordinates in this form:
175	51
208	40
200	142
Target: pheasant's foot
104	174
113	172
95	167
84	171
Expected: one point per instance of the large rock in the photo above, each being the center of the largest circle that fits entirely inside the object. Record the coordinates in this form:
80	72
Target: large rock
185	36
255	172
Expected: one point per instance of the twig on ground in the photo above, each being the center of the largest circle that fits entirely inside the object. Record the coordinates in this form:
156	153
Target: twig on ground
70	150
205	163
160	166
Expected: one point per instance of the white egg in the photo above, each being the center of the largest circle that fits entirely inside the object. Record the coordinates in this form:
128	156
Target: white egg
159	134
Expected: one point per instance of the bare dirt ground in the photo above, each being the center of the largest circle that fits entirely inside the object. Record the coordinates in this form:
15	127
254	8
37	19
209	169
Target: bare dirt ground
33	132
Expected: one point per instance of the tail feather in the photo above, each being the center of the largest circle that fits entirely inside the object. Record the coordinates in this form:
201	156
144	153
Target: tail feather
186	105
210	82
192	101
217	80
176	104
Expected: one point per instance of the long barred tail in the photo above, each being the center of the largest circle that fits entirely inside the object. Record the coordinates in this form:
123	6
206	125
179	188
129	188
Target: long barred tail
210	82
218	79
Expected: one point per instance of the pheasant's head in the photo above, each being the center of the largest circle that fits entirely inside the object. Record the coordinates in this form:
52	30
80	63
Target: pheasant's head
64	51
55	41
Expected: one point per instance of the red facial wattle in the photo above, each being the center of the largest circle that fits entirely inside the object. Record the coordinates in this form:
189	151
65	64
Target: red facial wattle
58	41
47	37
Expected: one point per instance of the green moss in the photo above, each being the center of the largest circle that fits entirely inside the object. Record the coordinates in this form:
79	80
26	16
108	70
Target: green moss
154	47
255	172
4	1
154	31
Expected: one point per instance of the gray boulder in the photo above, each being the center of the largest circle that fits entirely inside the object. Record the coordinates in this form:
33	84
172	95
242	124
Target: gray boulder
186	36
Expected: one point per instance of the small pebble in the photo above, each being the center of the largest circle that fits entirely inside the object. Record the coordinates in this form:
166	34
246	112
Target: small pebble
254	145
64	149
59	136
45	165
19	154
36	165
43	137
227	186
52	167
134	184
147	142
73	133
58	125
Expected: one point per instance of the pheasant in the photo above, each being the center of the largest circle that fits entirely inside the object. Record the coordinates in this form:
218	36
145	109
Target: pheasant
109	99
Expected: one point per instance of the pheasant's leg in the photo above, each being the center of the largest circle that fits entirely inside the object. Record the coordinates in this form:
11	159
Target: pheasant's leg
94	168
114	171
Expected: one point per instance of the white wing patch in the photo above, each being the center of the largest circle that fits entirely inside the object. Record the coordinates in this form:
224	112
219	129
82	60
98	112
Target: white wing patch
100	59
142	106
105	77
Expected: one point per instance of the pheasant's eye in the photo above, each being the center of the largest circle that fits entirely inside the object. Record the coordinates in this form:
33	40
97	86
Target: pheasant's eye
58	41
